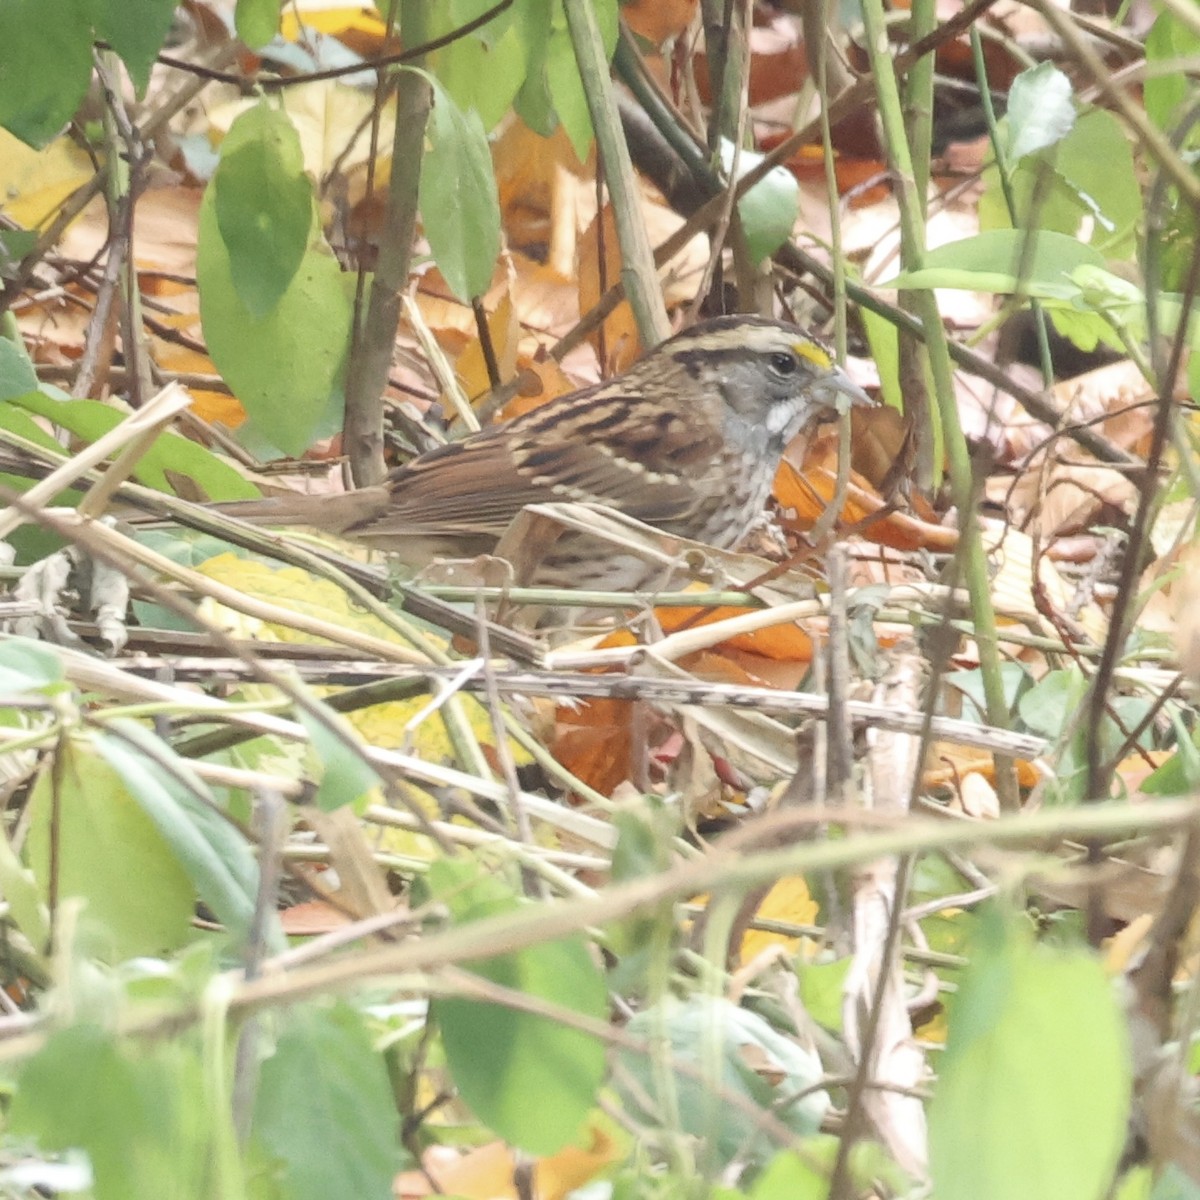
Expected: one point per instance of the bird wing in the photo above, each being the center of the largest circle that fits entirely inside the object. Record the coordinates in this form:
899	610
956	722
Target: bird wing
591	446
467	488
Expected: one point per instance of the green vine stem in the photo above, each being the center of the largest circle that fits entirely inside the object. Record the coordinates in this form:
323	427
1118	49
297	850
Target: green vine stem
973	559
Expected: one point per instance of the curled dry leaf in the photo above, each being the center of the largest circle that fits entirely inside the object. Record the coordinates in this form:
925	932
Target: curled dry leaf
1063	492
978	797
804	496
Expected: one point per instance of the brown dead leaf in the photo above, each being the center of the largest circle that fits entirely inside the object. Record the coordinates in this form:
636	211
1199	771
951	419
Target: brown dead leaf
978	797
55	326
1064	493
618	343
545	300
680	276
546	193
778	62
878	442
166	221
1011	555
332	120
851	171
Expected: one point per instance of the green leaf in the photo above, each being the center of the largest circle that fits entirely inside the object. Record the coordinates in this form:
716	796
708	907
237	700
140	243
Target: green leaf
1164	93
531	1079
213	854
14	245
460	207
794	1176
20	889
1087	330
1014	678
17	376
324	1109
534	103
140	1120
1005	260
641	940
1103	292
45	65
1040	110
484	70
1052	703
484	79
286	367
16	420
171	457
1180	773
256	21
1050	708
562	72
1034	1087
345	778
29	666
1085	187
769	209
264	206
136	31
712	1036
821	990
883	338
101	838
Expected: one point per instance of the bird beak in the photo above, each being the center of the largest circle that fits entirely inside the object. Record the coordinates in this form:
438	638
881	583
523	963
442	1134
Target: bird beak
839	391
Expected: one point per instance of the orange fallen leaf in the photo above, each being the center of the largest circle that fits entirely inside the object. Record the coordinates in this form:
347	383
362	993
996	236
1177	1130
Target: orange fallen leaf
621	345
541	382
311	918
487	1173
804	497
595	741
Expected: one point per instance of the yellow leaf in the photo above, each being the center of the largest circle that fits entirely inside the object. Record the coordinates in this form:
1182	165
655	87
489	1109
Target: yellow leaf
400	724
788	900
326	114
33	183
471	367
336	20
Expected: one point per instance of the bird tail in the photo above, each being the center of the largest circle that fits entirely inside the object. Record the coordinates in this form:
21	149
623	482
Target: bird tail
333	513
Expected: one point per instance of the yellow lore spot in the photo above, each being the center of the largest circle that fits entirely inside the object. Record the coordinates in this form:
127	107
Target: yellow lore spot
815	354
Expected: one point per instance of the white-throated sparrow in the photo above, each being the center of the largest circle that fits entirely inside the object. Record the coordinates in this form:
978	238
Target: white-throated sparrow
688	440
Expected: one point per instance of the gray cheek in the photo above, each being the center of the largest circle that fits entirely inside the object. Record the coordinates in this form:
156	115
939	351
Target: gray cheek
754	436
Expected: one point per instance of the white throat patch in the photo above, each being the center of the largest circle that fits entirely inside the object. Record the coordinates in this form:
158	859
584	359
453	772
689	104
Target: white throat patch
780	416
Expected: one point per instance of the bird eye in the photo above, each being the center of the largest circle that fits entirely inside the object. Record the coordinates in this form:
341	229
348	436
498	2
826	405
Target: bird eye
784	363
